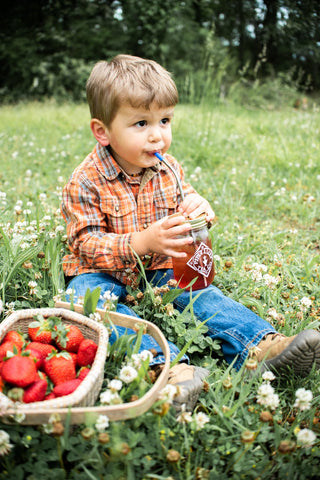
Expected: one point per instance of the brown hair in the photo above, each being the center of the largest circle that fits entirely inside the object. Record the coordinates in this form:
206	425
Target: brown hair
128	79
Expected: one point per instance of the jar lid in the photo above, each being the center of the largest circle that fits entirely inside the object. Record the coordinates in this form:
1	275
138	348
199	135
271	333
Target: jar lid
198	222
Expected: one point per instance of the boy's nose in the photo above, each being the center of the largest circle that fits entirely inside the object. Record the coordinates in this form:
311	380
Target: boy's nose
154	134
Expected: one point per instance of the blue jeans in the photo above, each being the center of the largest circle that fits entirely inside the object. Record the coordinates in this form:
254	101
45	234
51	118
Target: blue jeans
237	327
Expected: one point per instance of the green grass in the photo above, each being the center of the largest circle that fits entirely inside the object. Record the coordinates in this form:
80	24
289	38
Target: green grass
260	171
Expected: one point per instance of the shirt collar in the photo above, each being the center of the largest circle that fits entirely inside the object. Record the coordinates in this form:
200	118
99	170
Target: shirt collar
111	170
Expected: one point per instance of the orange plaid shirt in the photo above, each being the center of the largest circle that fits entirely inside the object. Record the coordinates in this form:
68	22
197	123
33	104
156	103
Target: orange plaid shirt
102	206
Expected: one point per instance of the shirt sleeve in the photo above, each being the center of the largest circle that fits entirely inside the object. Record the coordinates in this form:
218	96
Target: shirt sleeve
88	236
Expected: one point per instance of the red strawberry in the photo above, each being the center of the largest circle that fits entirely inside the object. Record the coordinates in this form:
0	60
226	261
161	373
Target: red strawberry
6	347
60	368
35	392
43	348
15	337
36	356
73	355
69	338
19	371
50	396
66	388
86	353
83	372
43	330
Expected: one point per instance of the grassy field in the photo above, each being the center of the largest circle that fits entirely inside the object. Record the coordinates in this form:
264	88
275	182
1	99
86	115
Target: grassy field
260	171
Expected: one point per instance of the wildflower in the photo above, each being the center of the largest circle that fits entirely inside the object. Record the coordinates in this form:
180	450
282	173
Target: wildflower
169	308
266	396
109	397
173	456
115	385
306	438
266	416
5	445
168	393
305	303
184	417
303	399
95	316
103	438
270	281
102	423
42	197
87	433
247	436
201	419
128	374
32	286
286	446
268	376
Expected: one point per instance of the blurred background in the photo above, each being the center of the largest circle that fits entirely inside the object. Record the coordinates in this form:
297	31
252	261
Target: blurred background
216	49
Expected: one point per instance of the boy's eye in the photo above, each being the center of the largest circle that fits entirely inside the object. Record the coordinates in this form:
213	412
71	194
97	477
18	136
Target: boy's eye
141	123
164	121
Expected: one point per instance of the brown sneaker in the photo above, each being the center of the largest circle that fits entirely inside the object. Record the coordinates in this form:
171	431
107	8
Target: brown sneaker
299	352
189	379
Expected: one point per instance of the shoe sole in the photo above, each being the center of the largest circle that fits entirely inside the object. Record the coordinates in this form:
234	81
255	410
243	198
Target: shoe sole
300	356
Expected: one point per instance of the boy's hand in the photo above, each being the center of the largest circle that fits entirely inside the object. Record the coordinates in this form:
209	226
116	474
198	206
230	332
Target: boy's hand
194	205
163	237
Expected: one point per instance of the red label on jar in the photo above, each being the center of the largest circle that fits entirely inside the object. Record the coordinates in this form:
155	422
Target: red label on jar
202	260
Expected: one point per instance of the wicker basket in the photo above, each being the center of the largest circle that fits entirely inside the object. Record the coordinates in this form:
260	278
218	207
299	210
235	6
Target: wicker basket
79	406
88	391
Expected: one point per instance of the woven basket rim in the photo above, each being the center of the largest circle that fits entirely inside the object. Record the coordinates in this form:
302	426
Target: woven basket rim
114	412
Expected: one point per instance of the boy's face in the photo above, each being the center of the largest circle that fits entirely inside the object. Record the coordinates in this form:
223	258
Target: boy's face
135	134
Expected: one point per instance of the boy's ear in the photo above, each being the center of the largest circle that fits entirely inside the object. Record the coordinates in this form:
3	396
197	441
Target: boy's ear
99	131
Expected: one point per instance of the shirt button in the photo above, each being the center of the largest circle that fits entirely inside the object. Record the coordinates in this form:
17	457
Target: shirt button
174	199
117	208
145	225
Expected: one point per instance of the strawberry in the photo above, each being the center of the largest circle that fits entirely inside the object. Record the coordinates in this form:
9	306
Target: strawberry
19	371
6	347
60	367
36	356
35	392
15	337
86	353
83	372
66	388
69	338
73	355
50	396
44	348
43	330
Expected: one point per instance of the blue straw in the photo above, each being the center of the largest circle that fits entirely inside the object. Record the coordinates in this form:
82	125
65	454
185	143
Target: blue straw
162	159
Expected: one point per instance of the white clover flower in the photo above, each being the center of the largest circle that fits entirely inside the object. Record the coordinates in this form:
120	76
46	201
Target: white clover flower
267	397
184	417
115	385
168	393
110	398
102	423
201	419
5	445
303	399
42	197
260	267
268	376
305	437
33	287
146	354
217	258
305	303
270	281
256	276
95	316
128	374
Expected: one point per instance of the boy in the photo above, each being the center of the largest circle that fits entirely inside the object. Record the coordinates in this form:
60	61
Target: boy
120	200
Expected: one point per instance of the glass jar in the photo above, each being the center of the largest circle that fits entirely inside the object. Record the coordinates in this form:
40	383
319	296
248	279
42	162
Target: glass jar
199	260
